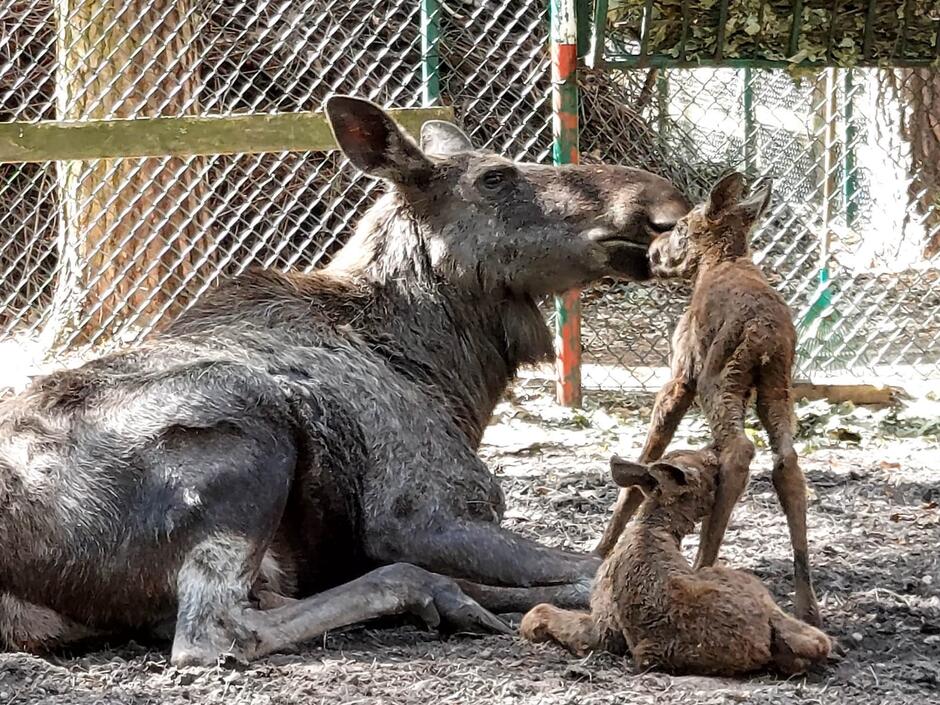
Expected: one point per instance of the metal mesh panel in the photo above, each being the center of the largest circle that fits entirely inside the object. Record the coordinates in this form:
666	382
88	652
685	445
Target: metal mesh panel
96	252
877	209
143	237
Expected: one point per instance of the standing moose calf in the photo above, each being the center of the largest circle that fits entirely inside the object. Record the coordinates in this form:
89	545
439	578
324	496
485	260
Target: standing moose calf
314	436
736	336
648	600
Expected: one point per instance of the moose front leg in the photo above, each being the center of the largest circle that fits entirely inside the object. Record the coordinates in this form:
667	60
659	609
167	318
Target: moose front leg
391	590
503	600
484	553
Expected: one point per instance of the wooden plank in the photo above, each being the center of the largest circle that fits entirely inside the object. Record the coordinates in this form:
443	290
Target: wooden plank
861	394
183	136
632	61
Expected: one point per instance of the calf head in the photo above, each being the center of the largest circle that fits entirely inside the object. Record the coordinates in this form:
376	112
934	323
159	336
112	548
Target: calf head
683	481
715	230
485	223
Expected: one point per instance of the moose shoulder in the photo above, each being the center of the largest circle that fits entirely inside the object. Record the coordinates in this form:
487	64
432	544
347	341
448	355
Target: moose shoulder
308	443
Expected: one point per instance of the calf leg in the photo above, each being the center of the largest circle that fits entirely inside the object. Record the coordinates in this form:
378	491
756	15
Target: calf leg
774	408
628	501
576	631
724	404
672	402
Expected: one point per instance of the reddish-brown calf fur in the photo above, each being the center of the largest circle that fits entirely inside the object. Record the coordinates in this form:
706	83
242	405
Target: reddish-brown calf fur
735	338
713	621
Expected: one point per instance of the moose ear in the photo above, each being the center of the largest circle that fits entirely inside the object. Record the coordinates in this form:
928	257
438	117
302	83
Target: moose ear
753	208
374	143
444	138
627	473
725	194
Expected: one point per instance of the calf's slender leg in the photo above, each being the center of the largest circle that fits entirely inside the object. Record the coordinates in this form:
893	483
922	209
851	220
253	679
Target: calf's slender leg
672	403
774	409
723	401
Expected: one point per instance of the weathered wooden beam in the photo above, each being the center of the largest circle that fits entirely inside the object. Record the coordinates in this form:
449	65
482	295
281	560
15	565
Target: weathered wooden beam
182	136
860	394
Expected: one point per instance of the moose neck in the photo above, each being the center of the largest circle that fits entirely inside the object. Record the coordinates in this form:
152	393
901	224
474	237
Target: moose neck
464	346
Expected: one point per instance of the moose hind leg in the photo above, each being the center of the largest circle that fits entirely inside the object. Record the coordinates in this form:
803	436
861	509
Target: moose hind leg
481	552
774	409
235	481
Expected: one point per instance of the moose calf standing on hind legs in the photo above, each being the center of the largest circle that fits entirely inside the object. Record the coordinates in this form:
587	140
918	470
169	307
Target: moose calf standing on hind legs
315	436
736	336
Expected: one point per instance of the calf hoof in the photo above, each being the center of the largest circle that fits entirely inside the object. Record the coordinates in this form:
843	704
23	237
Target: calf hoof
809	613
535	624
796	647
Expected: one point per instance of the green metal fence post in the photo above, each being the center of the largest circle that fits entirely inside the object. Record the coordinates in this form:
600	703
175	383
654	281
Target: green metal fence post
750	135
662	107
849	166
564	51
430	57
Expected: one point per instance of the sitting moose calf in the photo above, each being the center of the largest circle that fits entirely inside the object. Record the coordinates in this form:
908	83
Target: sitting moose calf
648	599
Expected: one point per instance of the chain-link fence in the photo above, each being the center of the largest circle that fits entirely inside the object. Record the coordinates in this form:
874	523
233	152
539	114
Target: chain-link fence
854	230
93	252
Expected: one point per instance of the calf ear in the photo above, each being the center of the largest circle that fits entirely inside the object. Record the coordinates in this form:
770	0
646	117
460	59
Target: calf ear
725	194
440	137
374	143
753	208
669	476
627	473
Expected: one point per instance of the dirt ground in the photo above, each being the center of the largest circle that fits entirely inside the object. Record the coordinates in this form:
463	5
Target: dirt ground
875	538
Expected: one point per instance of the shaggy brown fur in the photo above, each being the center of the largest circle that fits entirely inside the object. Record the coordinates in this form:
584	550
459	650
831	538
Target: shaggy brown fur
735	338
308	442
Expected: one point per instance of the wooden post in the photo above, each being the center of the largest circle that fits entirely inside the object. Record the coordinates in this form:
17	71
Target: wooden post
564	51
130	230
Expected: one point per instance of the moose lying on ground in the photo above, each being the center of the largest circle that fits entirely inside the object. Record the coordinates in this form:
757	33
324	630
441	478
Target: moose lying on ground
648	600
736	337
314	436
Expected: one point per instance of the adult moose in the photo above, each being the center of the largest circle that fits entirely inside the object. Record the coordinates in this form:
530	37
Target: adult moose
315	435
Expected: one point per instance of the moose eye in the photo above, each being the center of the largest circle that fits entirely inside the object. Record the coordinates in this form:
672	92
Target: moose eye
661	228
494	179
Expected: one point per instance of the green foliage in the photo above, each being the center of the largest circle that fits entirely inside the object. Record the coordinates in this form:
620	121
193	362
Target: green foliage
761	30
